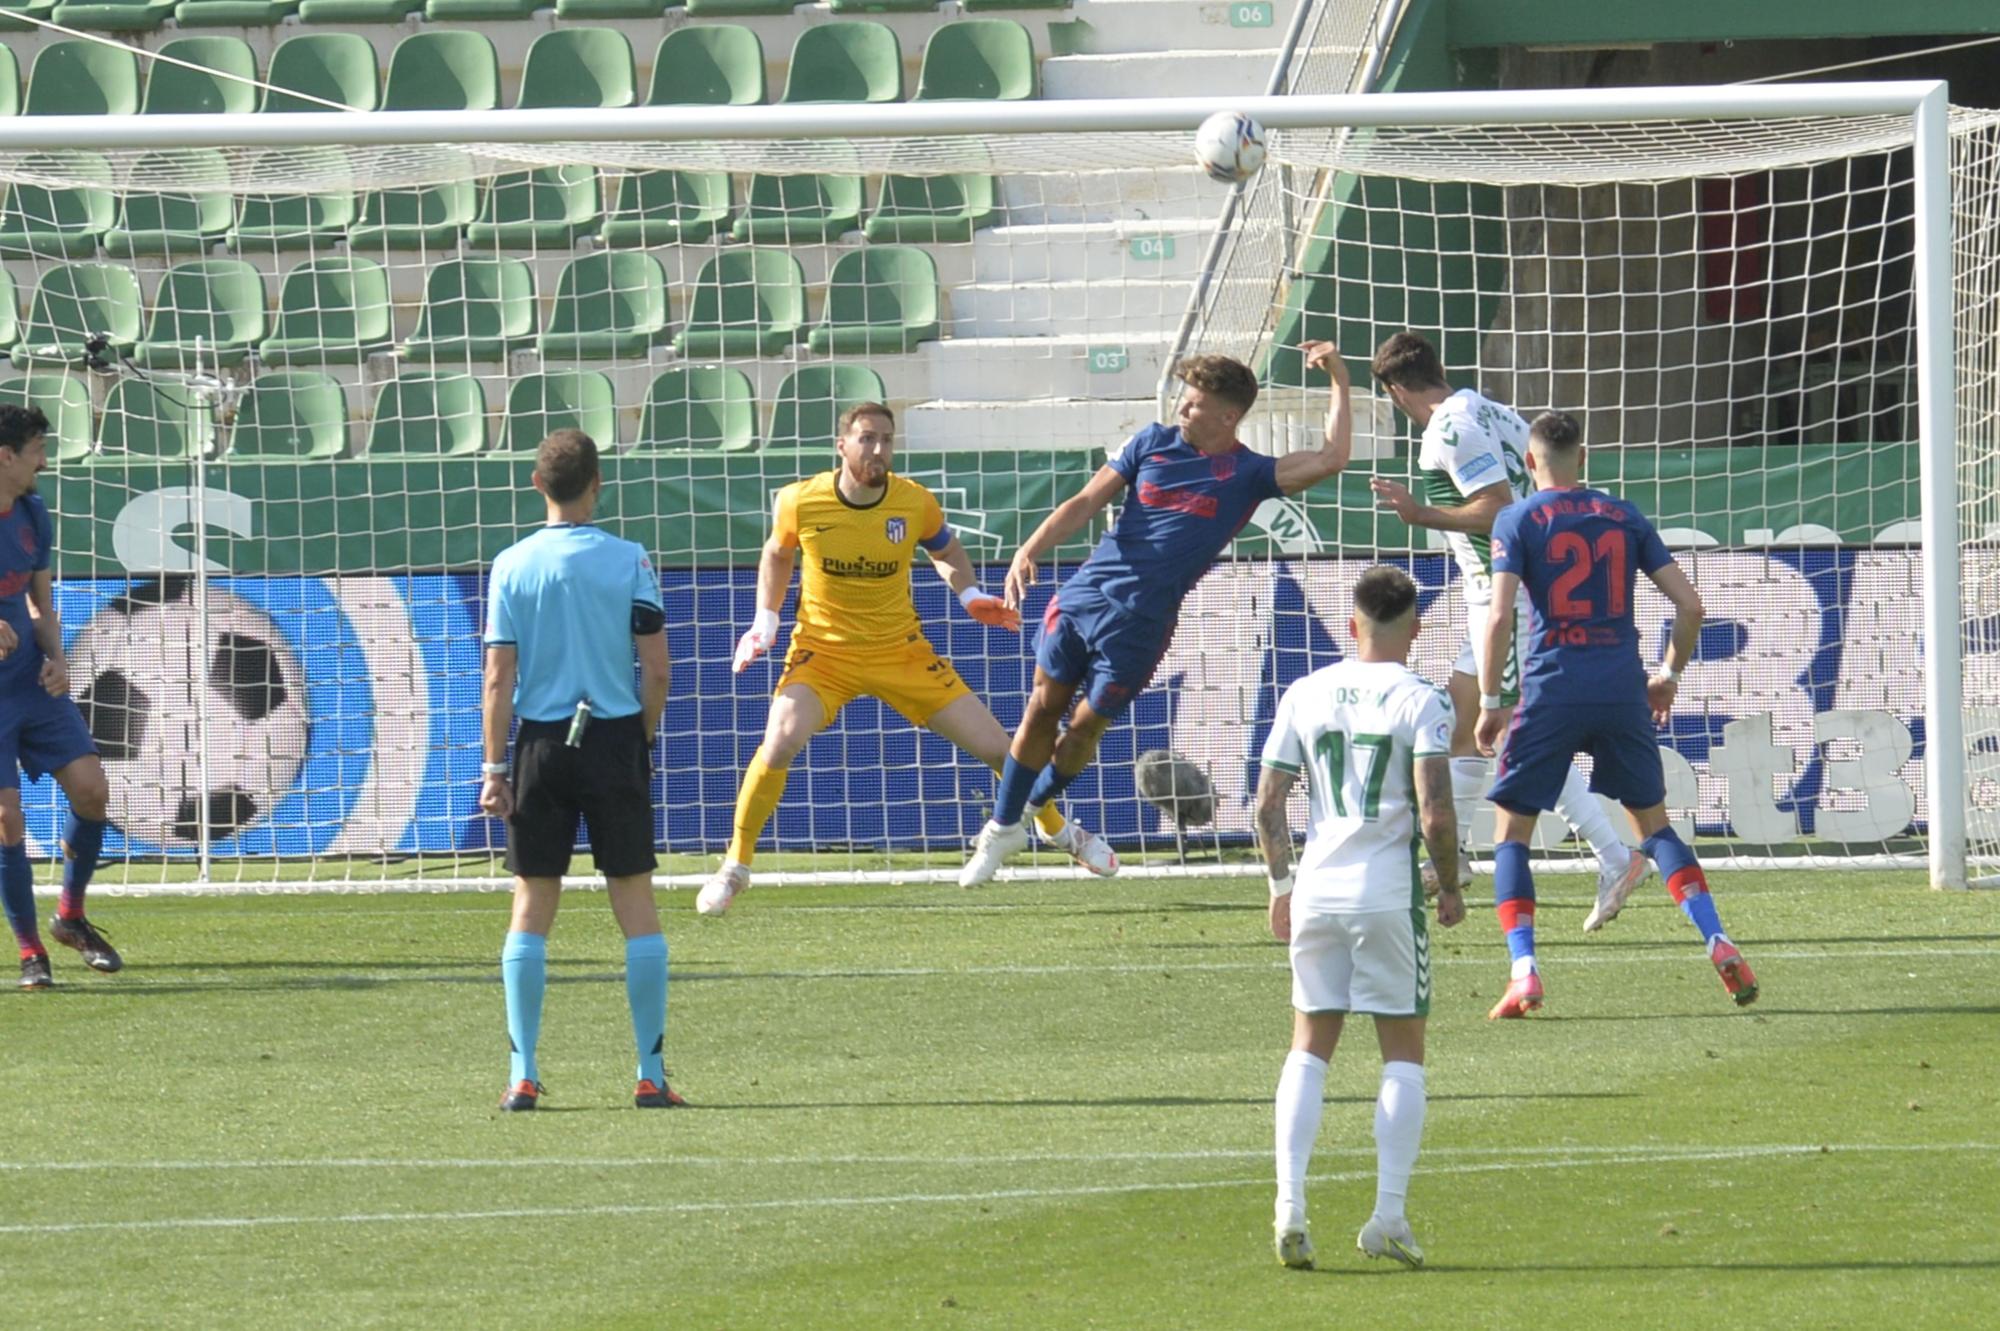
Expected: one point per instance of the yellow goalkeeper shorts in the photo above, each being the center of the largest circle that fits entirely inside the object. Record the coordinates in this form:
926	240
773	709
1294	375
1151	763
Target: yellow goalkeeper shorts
909	676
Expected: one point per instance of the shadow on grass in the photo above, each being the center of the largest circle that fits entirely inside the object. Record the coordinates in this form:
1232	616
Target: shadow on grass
1141	1101
1594	1268
1764	1010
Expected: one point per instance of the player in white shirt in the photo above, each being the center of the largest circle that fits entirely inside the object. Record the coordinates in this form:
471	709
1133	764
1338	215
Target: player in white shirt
1373	739
1471	466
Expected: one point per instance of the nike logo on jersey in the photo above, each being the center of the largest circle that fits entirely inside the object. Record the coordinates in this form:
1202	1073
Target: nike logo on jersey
822	527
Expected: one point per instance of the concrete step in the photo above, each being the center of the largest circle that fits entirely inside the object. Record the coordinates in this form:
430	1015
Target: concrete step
1098	425
1109	26
1103	308
1087	251
1158	73
1106	196
1016	368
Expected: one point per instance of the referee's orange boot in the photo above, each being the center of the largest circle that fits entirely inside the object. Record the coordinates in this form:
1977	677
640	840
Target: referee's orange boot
661	1096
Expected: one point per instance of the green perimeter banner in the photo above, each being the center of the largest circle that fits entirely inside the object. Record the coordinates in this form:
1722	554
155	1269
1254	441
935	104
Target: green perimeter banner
455	514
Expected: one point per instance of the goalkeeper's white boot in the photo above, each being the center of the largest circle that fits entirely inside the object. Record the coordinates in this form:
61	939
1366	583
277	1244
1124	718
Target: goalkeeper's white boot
990	851
1615	885
719	891
1087	848
1391	1239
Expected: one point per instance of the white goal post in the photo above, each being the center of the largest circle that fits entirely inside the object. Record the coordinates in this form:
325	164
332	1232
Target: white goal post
1059	162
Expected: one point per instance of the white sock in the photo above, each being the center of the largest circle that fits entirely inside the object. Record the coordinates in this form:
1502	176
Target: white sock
1399	1131
1582	811
1469	779
1301	1088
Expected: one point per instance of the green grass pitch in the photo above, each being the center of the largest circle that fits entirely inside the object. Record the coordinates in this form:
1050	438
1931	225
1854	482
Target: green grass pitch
1041	1106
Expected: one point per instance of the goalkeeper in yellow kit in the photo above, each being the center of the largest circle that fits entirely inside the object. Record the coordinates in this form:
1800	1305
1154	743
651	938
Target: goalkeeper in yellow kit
860	527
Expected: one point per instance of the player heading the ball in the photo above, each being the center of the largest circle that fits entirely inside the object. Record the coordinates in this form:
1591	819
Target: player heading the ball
1579	552
860	526
1192	486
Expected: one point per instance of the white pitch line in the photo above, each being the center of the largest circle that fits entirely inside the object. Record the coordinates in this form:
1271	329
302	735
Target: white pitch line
1575	1161
1558	958
995	1160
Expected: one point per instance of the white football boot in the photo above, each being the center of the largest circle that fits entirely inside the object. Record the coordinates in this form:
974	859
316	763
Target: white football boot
1391	1239
1294	1246
719	891
1087	848
990	851
1615	888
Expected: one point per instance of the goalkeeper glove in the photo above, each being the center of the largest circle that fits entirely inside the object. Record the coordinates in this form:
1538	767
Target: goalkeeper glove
990	609
763	632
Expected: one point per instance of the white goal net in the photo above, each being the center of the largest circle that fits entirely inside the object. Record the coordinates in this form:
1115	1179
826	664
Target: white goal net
295	367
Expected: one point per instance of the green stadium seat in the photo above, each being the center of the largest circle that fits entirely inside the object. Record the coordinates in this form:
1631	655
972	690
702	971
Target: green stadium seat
593	11
290	416
479	308
800	208
74	301
978	59
219	301
667	208
173	223
749	302
589	67
148	423
881	6
443	70
428	417
177	90
320	67
43	222
234	13
353	13
540	404
84	78
739	8
10	312
548	208
431	218
706	407
10	78
859	61
42	9
713	64
472	11
113	15
806	413
65	400
611	305
331	311
269	223
879	300
931	209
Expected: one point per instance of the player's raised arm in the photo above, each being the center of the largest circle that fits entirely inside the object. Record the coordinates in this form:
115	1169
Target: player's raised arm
1688	614
1499	637
774	576
1302	471
1071	516
1475	515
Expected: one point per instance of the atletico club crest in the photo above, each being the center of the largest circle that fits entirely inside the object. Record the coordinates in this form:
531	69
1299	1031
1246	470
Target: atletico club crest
895	529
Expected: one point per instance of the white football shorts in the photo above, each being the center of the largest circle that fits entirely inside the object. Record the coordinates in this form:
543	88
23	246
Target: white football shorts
1374	962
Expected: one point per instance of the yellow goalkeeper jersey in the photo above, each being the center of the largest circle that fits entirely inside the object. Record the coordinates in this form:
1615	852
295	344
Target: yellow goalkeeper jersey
854	587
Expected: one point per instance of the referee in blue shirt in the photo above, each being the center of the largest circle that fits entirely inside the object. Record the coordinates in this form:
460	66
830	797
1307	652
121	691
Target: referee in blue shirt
565	610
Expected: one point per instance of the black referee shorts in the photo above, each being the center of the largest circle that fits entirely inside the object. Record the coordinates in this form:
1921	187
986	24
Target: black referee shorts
608	782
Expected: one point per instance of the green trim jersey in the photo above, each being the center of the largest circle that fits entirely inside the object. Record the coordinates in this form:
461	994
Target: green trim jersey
1471	442
1355	729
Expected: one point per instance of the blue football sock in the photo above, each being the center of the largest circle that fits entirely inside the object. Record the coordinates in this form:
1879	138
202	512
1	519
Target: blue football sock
524	970
1049	784
1012	797
17	895
1514	902
82	841
646	994
1686	883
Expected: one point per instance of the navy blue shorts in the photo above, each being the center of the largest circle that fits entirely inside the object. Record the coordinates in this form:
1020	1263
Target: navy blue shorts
1623	745
1111	654
41	734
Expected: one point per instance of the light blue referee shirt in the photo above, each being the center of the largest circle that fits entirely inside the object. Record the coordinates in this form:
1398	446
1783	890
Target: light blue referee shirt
563	599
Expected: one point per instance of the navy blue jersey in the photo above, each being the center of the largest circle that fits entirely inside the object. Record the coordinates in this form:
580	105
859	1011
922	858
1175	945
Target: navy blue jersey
26	540
1183	509
1578	553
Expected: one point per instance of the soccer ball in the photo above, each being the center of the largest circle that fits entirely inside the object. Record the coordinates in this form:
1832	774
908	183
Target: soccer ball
1230	147
138	661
